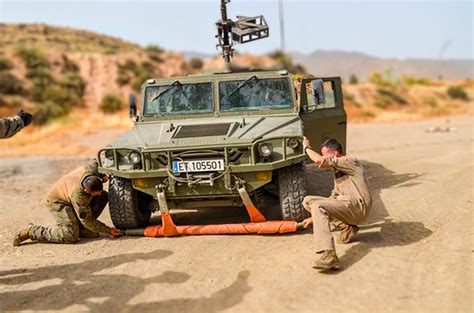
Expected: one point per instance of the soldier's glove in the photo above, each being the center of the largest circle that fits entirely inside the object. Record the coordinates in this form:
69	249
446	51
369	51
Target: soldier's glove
25	117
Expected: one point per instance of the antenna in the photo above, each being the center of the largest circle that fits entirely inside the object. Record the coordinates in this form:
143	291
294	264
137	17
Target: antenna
245	29
282	26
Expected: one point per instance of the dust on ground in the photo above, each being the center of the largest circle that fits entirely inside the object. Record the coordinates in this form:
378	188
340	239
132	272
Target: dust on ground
413	254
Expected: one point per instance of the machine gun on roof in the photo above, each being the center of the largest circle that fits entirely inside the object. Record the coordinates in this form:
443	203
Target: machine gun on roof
244	30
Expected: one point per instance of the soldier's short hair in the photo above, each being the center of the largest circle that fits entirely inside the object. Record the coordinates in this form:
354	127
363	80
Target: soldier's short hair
92	184
333	145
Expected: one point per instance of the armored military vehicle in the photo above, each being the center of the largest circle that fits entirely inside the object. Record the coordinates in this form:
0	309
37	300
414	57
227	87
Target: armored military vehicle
209	140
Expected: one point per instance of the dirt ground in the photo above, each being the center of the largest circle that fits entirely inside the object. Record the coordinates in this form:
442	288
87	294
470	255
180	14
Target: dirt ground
414	253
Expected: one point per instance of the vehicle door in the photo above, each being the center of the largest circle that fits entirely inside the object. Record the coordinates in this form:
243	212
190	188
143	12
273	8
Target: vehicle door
322	110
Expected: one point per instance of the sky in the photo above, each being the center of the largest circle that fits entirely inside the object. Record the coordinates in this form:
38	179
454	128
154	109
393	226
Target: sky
437	29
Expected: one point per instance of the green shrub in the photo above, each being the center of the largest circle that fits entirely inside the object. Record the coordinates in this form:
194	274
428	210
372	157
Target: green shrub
392	96
381	103
39	73
353	80
69	65
457	92
368	114
154	48
111	103
431	102
196	63
382	79
47	111
139	80
33	57
73	83
123	78
149	68
10	84
130	65
5	64
411	80
154	52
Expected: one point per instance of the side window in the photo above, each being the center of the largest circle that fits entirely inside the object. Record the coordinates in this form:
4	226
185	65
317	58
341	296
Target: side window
330	96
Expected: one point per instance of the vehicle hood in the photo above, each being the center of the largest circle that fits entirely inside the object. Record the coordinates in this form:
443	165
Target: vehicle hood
209	131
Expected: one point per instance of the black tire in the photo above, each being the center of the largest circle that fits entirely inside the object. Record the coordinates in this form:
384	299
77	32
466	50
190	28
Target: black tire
292	190
125	206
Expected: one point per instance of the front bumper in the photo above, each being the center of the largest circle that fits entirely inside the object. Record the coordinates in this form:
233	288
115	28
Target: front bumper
252	170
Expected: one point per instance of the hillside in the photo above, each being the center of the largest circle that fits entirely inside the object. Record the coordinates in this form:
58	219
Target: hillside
38	64
344	64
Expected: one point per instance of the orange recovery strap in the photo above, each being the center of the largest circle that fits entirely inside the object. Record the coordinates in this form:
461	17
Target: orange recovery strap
269	227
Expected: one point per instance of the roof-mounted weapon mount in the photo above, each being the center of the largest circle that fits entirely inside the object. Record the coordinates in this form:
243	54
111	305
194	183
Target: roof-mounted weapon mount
246	29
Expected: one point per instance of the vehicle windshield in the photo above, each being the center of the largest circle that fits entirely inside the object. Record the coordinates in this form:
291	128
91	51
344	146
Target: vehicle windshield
255	94
178	99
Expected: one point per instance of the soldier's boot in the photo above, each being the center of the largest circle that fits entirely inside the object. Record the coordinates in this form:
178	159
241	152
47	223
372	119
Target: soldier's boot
347	233
327	261
22	235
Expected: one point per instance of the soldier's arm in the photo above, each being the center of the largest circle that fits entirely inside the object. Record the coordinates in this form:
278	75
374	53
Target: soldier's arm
340	164
80	202
9	126
313	155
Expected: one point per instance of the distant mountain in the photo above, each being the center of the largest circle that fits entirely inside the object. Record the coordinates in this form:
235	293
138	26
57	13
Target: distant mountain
341	63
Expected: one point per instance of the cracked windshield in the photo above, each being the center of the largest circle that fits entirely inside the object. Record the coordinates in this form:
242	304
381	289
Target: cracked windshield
178	98
255	94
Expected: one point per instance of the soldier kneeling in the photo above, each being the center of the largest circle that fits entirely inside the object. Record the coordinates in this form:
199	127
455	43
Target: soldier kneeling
76	201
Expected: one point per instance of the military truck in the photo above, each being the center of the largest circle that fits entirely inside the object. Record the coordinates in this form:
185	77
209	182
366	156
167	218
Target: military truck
198	139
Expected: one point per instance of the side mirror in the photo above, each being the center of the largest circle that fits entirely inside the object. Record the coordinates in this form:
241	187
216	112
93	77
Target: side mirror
133	105
318	91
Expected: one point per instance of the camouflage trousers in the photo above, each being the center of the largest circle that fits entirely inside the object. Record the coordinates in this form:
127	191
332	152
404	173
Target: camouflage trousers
68	227
336	211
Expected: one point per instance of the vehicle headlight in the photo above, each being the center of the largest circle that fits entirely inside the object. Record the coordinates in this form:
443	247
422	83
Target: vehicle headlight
134	157
265	149
293	143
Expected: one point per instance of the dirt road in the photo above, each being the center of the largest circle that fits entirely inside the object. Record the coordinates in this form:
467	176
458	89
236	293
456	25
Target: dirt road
414	254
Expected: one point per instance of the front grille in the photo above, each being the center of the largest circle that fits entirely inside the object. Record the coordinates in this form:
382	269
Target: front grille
191	131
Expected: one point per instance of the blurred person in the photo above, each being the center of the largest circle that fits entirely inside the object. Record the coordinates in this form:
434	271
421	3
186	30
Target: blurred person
76	201
9	126
349	204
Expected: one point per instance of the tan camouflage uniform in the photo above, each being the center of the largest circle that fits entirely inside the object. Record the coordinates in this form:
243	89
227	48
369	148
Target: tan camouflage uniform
349	203
9	126
75	211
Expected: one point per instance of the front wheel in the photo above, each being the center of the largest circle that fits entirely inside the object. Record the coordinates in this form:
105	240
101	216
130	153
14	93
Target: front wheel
124	205
292	190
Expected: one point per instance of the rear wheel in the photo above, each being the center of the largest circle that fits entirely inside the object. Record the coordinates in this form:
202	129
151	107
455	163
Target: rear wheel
128	207
292	190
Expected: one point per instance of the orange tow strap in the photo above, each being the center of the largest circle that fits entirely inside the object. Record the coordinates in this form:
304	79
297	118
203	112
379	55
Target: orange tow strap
269	227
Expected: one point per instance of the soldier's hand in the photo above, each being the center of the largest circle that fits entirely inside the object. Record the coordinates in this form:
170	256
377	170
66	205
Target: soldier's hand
307	222
305	142
114	232
105	178
25	117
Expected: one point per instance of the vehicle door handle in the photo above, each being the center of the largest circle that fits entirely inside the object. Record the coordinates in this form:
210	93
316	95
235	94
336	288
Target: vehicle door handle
342	123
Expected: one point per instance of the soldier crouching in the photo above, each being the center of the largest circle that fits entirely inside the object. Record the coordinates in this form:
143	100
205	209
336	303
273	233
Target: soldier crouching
76	201
349	204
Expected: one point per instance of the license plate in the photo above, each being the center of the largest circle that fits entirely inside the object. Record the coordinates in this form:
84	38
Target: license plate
198	166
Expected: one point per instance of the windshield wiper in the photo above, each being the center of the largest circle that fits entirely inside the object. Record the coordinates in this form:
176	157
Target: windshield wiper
242	84
174	84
